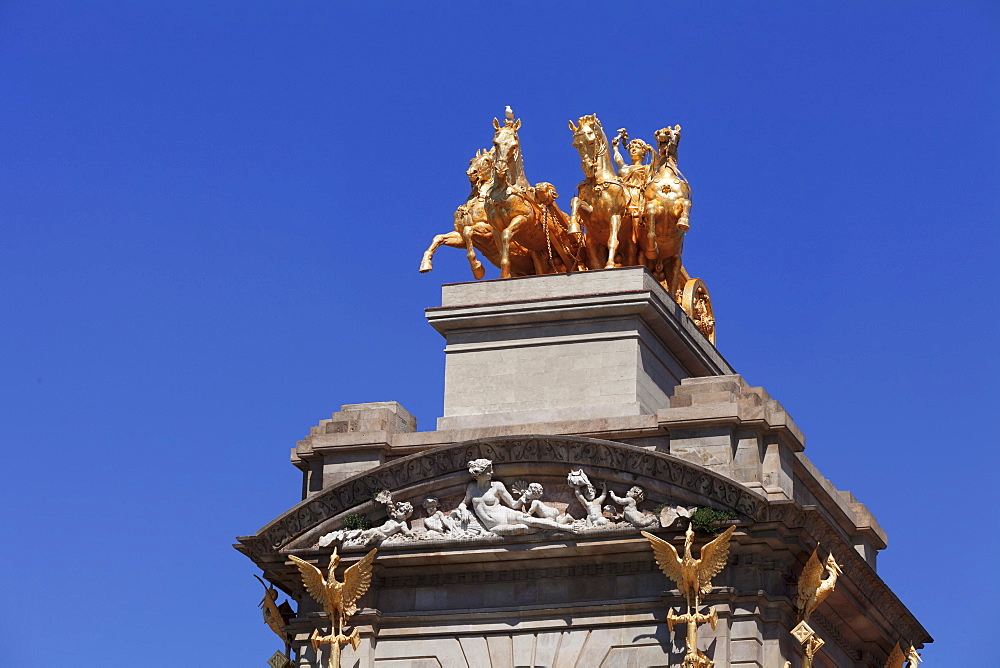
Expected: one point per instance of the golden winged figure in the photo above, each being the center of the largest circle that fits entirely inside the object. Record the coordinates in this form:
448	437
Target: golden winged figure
337	598
896	658
813	589
275	616
693	576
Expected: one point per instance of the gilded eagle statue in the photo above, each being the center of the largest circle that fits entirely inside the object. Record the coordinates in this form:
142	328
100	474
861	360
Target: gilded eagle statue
275	616
693	576
813	589
896	658
339	599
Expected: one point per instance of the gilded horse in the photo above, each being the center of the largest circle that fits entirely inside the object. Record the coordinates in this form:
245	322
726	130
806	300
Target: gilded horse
518	214
667	213
472	232
601	203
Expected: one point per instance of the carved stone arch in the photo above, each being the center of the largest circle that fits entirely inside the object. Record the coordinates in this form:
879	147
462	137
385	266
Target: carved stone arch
443	471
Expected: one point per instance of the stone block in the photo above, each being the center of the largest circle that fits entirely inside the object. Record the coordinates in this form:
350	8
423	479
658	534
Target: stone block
613	342
745	628
746	651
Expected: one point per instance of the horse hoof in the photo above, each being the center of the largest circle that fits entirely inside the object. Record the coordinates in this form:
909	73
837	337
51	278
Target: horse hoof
478	271
425	266
683	227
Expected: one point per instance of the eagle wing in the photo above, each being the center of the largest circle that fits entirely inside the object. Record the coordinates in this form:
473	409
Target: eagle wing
713	559
666	558
313	580
357	579
809	581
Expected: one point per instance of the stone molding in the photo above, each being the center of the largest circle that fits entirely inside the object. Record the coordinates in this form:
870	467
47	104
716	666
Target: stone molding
865	582
830	632
519	573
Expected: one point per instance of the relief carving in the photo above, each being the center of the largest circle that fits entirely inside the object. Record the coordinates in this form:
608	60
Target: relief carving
452	459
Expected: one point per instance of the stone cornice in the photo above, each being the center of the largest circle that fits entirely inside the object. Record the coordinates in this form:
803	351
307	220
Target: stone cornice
865	584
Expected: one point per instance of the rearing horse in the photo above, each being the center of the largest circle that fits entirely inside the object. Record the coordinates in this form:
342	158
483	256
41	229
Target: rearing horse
602	201
472	232
667	212
515	214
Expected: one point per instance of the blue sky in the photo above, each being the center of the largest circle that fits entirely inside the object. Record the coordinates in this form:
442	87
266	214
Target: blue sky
211	216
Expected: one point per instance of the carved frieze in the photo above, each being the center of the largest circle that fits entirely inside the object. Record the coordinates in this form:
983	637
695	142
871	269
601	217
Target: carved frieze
450	459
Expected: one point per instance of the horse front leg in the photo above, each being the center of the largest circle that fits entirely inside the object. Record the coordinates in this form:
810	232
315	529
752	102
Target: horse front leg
684	217
453	239
590	248
478	271
651	250
616	226
574	216
630	253
505	238
503	249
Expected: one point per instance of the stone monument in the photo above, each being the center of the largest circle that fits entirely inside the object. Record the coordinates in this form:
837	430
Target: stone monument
585	406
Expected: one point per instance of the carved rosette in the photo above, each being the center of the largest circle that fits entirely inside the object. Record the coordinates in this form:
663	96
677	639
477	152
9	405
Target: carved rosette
697	303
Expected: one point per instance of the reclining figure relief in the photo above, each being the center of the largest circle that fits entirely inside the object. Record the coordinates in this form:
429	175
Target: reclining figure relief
489	508
497	511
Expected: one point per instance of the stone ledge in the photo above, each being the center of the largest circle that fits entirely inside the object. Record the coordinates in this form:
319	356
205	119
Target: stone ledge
706	399
856	514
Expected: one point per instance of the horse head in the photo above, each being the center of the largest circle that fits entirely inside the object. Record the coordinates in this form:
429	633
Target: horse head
481	167
667	140
507	149
592	144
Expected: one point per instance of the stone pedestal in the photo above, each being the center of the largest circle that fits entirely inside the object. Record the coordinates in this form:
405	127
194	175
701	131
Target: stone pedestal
568	346
598	371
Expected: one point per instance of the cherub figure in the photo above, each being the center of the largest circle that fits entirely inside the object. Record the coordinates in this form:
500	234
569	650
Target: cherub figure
436	523
630	508
531	499
587	496
399	513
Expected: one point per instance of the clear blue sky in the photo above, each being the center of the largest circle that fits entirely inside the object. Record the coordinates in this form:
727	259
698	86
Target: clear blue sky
211	216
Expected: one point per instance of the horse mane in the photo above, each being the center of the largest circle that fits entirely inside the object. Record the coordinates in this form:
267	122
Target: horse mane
602	154
515	170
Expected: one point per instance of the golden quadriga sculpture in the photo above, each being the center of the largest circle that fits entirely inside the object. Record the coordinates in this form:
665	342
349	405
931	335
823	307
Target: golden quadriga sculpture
813	590
694	580
337	598
624	214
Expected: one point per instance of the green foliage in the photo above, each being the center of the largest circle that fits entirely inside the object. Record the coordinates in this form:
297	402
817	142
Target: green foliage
706	520
357	521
